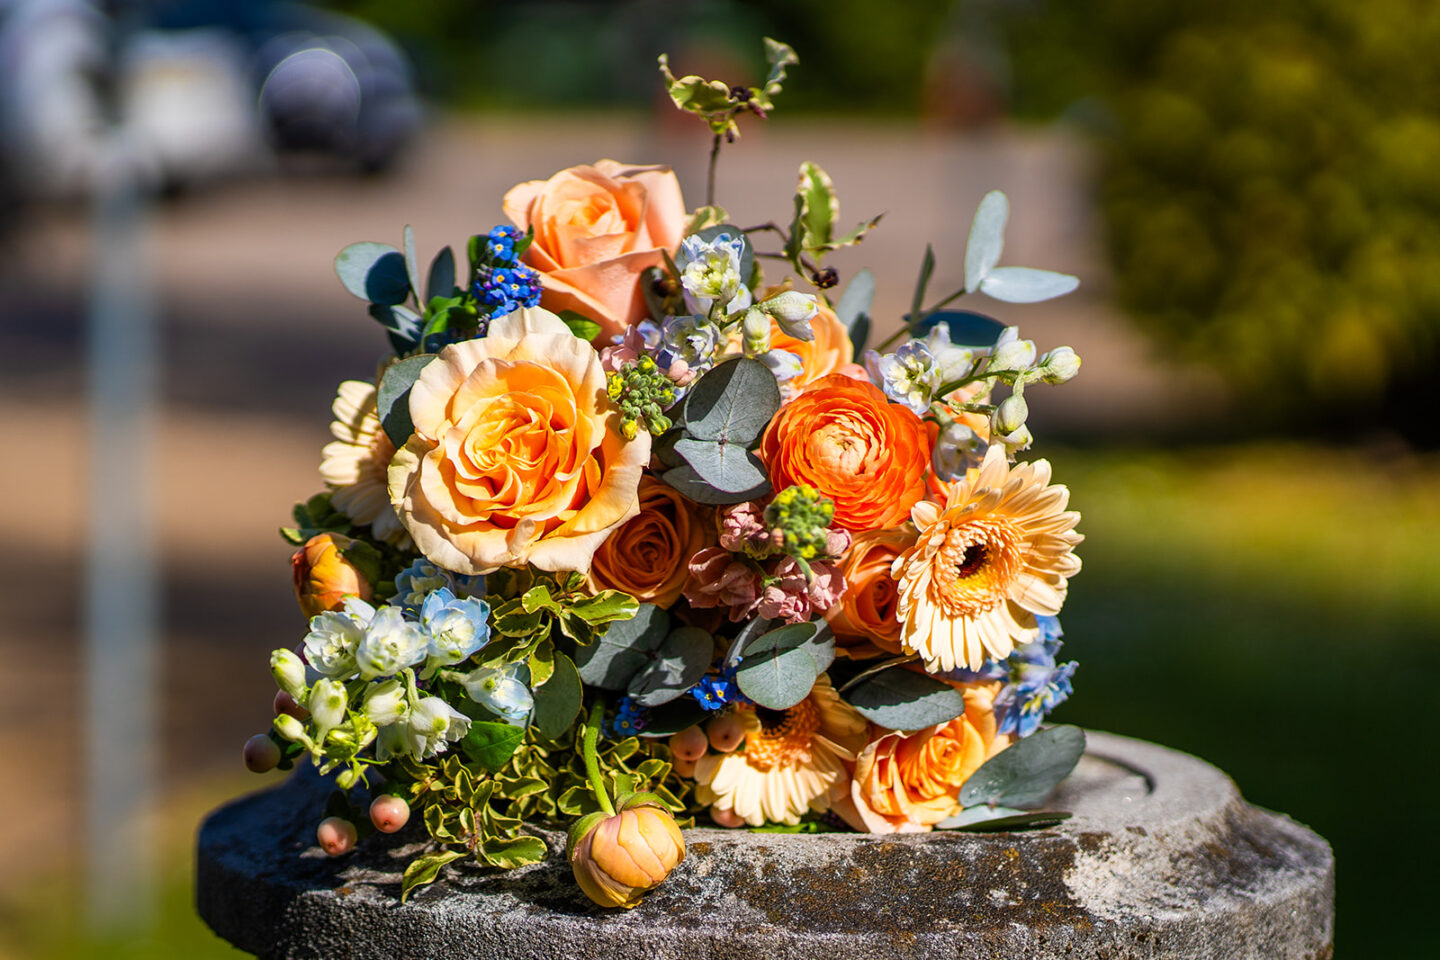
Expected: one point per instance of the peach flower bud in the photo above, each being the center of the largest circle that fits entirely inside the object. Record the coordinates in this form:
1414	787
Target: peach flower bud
389	813
323	577
725	817
617	858
726	733
336	836
261	754
689	744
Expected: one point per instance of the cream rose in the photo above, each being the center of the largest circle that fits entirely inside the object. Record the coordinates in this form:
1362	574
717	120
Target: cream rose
516	456
596	229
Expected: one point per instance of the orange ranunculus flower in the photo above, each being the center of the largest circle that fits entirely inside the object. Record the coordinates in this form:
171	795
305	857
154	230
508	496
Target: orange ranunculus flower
864	620
845	439
649	556
517	456
323	577
908	782
826	354
596	228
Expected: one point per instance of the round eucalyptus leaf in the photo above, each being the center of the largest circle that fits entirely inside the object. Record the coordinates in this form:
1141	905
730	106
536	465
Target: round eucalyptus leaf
558	700
1026	285
986	818
855	302
678	664
412	266
624	649
967	328
970	815
679	714
732	403
728	467
987	239
392	401
401	325
903	699
1024	773
689	484
776	671
441	281
374	272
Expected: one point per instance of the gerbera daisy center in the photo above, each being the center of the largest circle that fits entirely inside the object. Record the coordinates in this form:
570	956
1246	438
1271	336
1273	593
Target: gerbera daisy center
784	737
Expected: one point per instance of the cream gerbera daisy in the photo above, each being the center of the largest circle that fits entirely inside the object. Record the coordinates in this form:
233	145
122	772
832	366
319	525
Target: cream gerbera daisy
985	564
354	464
792	761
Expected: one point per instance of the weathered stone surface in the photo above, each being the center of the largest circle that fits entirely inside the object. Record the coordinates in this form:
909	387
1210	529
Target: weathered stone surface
1162	859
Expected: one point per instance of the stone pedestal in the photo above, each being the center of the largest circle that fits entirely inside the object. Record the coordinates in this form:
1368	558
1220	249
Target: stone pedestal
1162	859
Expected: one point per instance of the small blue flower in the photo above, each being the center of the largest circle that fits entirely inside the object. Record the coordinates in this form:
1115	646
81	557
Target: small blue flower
1035	683
422	577
628	721
500	244
717	691
507	289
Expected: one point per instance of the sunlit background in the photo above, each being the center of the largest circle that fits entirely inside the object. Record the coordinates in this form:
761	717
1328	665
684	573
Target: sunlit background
1249	191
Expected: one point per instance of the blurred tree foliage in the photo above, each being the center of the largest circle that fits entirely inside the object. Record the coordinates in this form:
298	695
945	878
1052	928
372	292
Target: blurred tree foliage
1271	187
548	53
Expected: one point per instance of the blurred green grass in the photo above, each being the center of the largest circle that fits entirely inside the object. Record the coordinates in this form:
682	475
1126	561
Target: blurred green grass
1270	608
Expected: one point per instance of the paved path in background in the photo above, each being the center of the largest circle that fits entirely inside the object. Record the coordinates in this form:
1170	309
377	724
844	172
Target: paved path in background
258	332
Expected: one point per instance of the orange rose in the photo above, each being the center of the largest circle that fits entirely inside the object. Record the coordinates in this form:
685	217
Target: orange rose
826	354
596	228
517	456
649	556
864	620
908	782
846	440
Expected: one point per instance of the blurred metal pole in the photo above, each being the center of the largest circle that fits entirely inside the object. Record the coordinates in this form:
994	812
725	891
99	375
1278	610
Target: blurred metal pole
121	611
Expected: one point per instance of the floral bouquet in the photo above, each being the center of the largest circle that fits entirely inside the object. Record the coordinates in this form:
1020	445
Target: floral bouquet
628	531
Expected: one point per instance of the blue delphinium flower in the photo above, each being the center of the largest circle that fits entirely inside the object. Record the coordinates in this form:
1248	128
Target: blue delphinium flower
1034	683
501	691
628	721
508	288
456	627
417	581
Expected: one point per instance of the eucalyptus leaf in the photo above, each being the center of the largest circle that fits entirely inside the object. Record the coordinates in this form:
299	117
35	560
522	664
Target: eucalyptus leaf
624	649
987	238
728	467
732	403
441	281
412	266
689	483
753	628
672	717
374	272
857	300
677	665
401	324
1026	285
1024	773
903	699
860	334
392	401
491	745
987	818
821	646
777	671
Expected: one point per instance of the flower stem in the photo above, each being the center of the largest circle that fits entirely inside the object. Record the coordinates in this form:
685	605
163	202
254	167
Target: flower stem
710	178
592	761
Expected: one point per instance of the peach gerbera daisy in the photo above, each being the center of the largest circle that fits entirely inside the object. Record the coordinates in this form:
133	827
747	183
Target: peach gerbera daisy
792	761
354	464
985	564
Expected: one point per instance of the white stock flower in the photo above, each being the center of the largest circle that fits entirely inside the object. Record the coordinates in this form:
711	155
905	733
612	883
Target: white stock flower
390	644
710	273
385	702
332	641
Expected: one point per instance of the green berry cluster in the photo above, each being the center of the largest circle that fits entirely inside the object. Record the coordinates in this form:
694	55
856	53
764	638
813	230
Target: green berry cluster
803	518
642	392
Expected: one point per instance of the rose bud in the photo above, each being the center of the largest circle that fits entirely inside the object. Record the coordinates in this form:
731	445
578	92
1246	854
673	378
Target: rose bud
323	577
726	733
389	813
689	744
336	835
617	857
261	753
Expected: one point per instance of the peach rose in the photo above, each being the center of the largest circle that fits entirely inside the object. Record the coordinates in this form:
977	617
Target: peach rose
864	620
908	782
649	556
517	456
845	439
828	353
596	228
